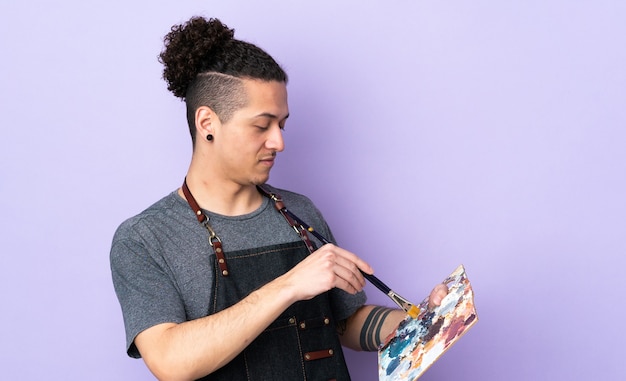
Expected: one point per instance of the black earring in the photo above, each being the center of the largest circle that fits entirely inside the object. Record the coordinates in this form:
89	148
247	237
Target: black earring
209	137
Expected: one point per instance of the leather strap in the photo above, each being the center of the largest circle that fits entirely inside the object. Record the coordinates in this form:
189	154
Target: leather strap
324	353
280	206
192	203
214	240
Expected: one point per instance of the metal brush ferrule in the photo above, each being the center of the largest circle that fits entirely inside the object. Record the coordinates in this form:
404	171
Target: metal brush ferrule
400	301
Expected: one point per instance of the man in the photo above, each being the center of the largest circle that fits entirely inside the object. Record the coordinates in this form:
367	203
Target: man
214	282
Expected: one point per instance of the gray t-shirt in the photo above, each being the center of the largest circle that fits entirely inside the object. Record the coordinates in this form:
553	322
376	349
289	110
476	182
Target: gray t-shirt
161	259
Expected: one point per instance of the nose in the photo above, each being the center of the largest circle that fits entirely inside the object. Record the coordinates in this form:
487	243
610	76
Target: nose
275	140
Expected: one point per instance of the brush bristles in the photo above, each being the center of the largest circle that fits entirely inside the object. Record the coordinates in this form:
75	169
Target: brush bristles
413	312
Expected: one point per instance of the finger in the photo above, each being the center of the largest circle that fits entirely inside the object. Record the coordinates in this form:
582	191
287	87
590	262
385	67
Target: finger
348	272
437	294
347	285
353	258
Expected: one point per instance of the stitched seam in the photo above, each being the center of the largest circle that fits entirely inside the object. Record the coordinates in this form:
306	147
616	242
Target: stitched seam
300	350
262	252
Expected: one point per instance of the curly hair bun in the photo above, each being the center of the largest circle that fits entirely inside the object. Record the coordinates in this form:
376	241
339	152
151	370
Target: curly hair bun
197	46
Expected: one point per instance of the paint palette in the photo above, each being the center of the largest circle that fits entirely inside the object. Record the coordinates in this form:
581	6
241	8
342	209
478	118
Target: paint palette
417	343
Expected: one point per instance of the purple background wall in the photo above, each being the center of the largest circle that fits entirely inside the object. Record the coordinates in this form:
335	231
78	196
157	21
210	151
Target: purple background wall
430	134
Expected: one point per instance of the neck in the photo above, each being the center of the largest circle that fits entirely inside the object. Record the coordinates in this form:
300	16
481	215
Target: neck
218	196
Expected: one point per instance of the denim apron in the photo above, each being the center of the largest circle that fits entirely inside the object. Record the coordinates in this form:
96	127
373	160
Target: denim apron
302	343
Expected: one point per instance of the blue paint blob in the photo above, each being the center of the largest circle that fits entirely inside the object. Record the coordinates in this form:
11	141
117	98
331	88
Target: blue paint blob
393	365
398	344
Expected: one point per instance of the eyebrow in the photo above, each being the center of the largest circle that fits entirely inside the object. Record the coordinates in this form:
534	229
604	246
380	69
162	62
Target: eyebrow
269	115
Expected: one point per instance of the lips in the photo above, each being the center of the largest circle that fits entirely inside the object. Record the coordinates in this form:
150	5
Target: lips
268	159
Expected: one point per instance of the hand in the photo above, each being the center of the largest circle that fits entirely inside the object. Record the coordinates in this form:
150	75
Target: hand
437	294
328	267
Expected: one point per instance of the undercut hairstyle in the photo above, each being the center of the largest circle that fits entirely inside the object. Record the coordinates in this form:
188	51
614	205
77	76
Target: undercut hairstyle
204	66
220	92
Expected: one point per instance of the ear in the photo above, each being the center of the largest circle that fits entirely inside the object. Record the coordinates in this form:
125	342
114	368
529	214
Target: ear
206	120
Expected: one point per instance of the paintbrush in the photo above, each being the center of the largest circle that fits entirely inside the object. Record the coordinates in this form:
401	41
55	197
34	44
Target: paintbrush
411	309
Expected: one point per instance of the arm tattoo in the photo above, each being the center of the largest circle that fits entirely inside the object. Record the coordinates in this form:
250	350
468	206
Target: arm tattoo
370	333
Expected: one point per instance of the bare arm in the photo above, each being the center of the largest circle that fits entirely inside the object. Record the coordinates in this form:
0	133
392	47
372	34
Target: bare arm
193	349
369	326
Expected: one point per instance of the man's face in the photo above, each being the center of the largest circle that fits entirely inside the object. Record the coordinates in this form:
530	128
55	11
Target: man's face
247	144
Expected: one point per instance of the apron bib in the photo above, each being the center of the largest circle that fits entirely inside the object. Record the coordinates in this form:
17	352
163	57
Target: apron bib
302	344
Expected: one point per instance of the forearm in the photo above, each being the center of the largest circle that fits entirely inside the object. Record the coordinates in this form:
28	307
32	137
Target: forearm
369	326
193	349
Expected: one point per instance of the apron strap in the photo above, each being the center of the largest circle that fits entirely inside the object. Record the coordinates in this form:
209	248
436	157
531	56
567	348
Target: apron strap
203	219
280	206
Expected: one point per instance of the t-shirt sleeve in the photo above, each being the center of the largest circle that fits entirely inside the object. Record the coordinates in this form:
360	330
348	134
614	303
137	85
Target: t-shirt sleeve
145	291
344	304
